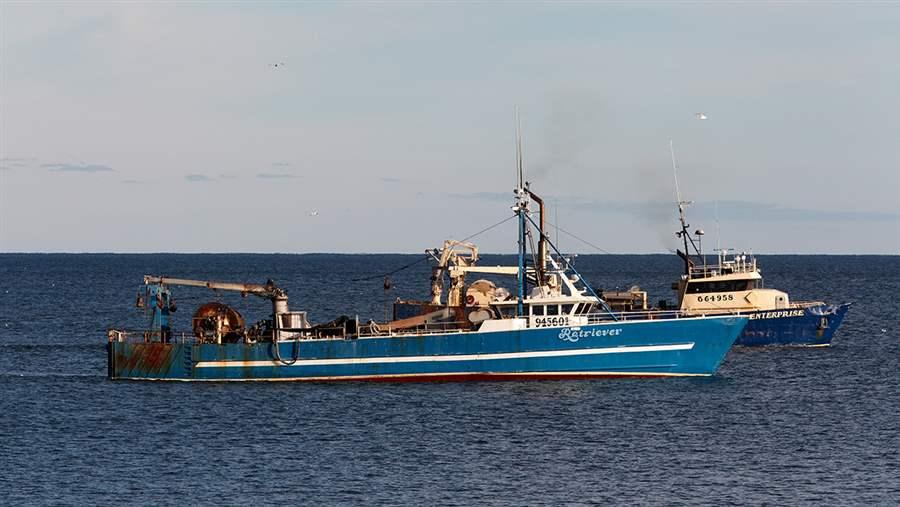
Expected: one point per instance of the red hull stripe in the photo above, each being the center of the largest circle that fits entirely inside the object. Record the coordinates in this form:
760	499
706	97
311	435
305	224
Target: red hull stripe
448	377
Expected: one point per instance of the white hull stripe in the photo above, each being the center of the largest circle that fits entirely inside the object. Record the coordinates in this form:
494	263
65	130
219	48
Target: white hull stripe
448	358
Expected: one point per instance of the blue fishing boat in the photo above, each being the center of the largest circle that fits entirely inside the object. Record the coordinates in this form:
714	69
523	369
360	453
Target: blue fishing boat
733	284
553	326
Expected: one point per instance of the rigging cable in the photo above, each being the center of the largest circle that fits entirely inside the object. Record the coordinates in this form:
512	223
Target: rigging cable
507	219
534	259
401	268
581	278
586	242
425	258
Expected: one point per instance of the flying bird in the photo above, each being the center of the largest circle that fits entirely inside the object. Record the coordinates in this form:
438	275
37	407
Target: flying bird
700	116
314	213
277	65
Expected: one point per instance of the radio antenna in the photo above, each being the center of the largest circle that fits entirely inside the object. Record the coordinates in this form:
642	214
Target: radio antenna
521	209
684	233
675	172
519	166
718	236
681	204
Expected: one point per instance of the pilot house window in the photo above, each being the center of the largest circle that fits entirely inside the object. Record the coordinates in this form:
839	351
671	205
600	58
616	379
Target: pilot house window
721	286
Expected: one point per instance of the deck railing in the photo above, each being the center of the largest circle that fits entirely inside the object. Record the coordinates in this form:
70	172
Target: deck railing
367	330
131	336
637	315
373	330
747	265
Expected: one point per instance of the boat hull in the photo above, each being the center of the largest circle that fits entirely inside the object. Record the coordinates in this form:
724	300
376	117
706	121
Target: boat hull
810	326
647	348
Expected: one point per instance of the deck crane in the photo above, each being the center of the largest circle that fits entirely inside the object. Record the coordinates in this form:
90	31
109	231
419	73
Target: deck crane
284	320
454	254
269	291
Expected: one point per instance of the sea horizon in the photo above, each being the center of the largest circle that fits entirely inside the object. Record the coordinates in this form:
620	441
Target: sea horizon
580	254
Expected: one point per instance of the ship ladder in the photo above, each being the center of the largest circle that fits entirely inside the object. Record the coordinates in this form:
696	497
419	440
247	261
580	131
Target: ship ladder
188	360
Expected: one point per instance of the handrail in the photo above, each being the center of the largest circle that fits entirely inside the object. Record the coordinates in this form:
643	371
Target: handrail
639	315
369	331
427	329
747	265
133	336
806	304
699	274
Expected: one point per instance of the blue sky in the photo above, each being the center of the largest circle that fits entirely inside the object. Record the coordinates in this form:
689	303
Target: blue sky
140	127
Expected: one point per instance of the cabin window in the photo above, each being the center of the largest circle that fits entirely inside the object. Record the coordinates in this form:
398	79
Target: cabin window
720	286
507	311
566	309
537	309
552	309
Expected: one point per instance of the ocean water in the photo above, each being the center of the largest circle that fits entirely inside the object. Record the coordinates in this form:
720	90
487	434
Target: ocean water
776	426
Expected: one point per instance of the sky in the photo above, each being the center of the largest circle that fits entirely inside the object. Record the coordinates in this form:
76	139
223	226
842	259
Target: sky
389	127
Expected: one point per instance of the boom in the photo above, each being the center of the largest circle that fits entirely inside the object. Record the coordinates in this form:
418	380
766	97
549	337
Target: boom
267	291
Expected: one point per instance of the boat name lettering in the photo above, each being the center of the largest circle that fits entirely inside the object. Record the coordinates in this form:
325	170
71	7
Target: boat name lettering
776	315
712	298
573	334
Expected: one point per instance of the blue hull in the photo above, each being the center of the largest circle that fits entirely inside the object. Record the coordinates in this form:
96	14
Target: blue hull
677	347
811	326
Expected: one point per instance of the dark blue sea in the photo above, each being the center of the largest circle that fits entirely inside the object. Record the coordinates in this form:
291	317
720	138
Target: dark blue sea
775	426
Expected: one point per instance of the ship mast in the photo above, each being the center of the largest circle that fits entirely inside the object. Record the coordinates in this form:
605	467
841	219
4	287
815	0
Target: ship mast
521	208
684	233
523	193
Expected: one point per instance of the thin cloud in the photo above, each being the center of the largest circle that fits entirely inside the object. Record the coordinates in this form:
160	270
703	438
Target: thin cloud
762	211
198	178
133	182
484	196
78	168
396	181
737	211
281	164
274	176
10	162
746	211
